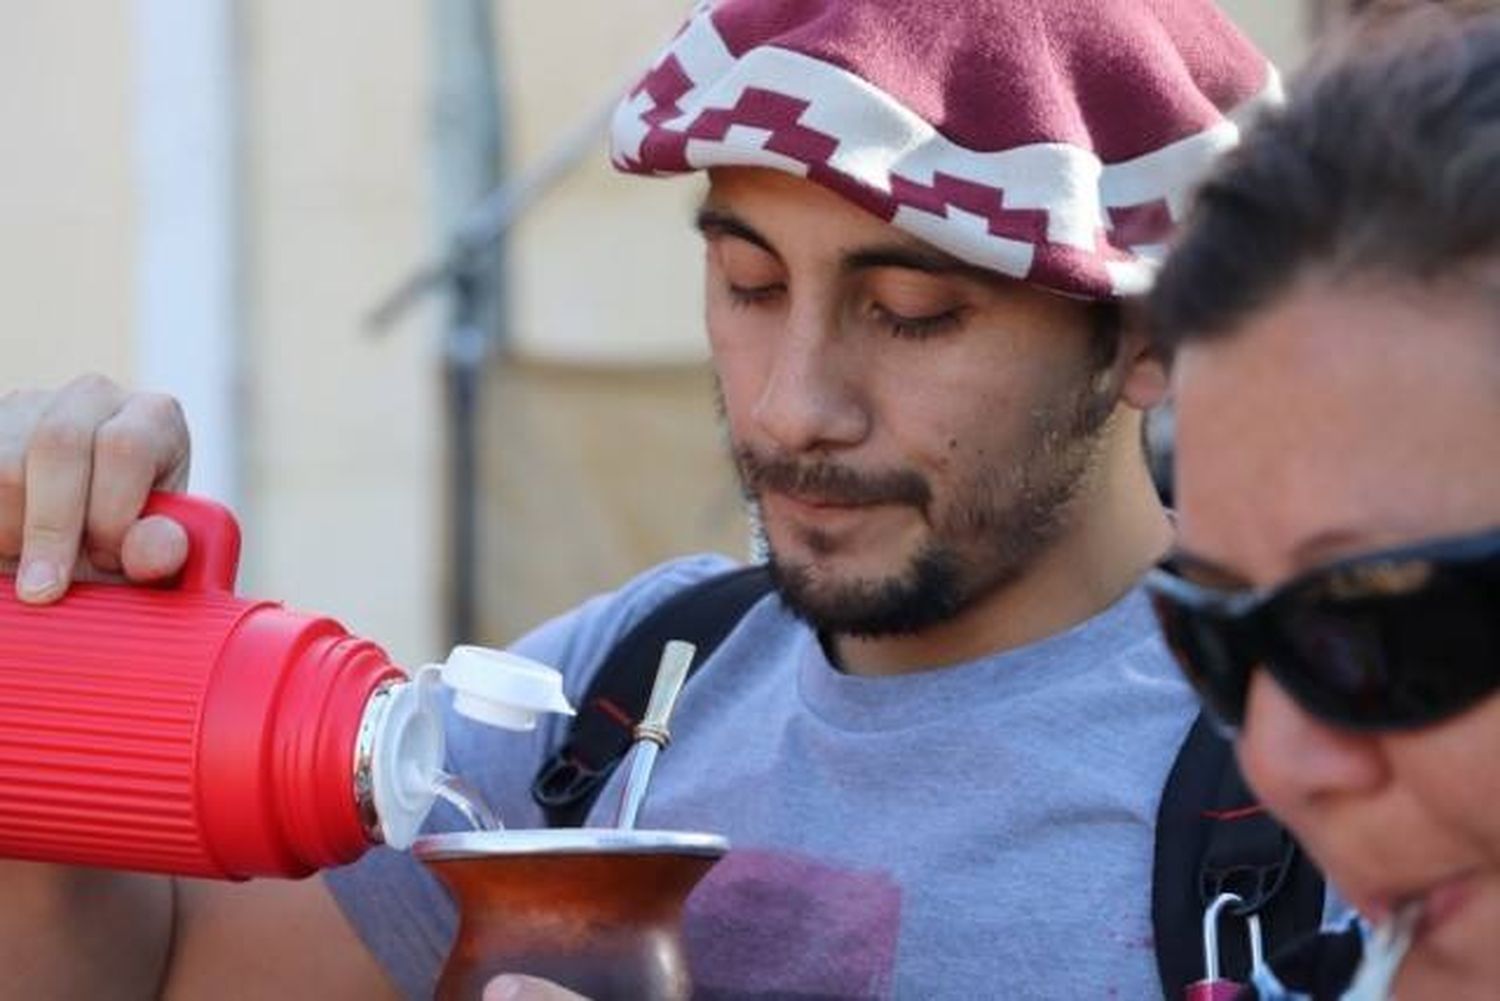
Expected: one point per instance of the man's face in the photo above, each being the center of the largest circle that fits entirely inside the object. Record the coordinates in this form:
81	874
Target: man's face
1337	421
912	428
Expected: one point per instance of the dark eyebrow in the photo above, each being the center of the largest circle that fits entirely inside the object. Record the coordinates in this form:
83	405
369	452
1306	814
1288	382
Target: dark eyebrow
930	262
1205	569
716	222
1329	545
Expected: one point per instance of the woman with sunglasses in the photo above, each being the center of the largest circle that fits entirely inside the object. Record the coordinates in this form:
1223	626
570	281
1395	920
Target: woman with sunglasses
1333	309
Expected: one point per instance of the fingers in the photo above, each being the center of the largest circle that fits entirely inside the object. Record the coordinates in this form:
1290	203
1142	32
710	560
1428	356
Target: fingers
144	445
153	549
59	464
76	467
18	415
512	987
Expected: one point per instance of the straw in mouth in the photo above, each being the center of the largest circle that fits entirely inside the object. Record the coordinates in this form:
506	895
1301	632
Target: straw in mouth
1384	952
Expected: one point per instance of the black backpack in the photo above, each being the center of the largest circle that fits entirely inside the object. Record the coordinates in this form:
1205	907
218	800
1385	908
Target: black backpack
1211	835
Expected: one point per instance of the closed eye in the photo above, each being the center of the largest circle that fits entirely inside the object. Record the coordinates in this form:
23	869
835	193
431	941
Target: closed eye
917	327
754	295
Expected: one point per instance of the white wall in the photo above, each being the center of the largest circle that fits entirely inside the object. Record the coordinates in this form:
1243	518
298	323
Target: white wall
1279	27
67	209
598	272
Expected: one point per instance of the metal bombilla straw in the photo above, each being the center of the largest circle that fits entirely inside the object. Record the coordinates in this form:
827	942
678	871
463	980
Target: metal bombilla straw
651	733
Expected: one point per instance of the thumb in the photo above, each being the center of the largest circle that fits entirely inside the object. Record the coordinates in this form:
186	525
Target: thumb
512	987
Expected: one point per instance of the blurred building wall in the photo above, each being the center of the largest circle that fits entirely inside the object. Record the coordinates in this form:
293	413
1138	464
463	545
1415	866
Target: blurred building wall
1279	27
67	211
606	268
603	454
343	439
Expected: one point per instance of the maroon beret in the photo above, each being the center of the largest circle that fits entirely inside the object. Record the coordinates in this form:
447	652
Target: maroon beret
1055	141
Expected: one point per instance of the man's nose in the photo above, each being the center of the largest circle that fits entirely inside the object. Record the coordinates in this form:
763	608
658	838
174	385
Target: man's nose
1292	759
813	397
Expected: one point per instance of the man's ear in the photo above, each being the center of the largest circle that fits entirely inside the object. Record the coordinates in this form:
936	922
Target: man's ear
1144	376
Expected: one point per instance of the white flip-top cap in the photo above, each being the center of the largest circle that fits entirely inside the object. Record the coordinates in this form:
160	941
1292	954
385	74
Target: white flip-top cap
489	686
407	761
503	689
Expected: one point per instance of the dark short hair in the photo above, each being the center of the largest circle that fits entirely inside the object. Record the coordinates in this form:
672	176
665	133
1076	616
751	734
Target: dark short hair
1106	328
1384	163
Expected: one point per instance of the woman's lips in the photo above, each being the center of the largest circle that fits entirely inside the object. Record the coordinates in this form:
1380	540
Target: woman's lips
1444	900
1440	901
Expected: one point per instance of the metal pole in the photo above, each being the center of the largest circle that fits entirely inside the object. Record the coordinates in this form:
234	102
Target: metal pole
467	155
465	348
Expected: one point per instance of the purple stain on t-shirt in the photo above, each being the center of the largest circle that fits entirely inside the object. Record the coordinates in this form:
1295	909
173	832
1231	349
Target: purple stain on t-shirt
774	925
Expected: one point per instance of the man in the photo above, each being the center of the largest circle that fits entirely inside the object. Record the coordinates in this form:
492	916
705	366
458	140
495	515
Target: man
1335	309
938	755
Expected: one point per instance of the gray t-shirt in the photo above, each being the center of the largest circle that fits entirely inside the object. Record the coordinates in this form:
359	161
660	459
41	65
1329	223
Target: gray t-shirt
983	830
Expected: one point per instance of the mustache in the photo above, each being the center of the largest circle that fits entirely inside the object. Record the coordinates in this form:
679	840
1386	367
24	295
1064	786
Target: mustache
829	482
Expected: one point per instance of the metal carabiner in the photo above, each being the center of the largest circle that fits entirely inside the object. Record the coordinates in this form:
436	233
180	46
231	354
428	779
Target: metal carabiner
1213	986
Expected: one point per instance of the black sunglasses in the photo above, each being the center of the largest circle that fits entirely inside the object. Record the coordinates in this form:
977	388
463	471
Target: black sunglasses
1388	640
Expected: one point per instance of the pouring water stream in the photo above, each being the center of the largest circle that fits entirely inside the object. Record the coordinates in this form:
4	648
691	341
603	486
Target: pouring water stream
465	799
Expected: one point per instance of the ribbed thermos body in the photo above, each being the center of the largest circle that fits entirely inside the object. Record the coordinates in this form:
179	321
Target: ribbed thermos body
180	730
99	714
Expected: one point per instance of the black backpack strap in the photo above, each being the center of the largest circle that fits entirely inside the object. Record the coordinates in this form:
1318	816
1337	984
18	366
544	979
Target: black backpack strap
1212	837
602	732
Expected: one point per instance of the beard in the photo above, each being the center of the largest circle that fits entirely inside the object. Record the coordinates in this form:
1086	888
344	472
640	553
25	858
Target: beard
1001	518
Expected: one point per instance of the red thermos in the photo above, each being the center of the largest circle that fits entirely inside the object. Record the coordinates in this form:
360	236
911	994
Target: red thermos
190	731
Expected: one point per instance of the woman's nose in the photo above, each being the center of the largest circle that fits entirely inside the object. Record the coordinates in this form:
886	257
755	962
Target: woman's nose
1292	759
